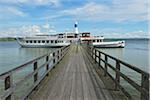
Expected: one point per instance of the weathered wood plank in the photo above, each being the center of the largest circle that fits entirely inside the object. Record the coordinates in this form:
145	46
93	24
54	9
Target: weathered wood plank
74	78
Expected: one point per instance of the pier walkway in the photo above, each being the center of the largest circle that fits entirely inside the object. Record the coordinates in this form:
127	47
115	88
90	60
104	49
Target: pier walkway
75	78
75	72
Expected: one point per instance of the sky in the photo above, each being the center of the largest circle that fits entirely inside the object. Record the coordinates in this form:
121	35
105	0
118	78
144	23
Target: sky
109	18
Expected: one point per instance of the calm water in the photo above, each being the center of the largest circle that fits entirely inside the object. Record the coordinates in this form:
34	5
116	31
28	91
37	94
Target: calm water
136	52
12	55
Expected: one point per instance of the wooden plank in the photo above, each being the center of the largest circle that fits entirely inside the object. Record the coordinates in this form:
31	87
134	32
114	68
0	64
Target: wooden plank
79	79
84	73
96	86
74	78
89	80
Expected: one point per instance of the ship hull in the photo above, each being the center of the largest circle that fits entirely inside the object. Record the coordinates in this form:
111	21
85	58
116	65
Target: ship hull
117	44
40	45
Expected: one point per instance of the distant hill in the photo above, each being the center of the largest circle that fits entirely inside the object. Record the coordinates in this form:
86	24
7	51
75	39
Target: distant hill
119	39
7	39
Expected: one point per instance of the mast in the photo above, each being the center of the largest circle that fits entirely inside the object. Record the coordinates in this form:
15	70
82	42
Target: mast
76	27
76	31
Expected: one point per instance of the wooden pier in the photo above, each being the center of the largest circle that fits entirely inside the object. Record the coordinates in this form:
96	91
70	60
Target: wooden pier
71	73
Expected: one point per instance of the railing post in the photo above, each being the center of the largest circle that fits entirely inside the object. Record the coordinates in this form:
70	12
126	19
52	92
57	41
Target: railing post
61	53
58	55
8	98
95	56
54	59
92	52
106	61
117	74
99	58
47	66
145	85
8	84
36	74
90	49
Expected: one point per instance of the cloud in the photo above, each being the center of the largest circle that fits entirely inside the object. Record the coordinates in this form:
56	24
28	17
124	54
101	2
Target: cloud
28	30
20	31
31	2
16	8
46	26
119	10
135	34
9	12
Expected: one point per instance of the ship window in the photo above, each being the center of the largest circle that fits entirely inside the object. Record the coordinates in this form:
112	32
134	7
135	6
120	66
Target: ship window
93	40
39	41
43	41
27	41
30	41
97	40
34	41
55	41
47	41
51	41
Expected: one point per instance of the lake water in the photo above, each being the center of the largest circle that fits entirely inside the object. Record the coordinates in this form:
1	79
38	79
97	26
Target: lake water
136	52
12	55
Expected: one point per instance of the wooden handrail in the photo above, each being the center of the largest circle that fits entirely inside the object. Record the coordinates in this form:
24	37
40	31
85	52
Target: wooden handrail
10	86
143	88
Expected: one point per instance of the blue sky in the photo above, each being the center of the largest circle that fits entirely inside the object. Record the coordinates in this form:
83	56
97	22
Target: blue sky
111	18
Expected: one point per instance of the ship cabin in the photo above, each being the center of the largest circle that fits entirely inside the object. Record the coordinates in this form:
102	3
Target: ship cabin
85	35
42	39
70	37
87	39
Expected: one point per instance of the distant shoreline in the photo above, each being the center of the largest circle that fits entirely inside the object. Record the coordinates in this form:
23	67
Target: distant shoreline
7	39
13	39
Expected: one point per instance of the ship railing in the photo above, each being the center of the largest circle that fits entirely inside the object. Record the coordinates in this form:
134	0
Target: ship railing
35	71
120	70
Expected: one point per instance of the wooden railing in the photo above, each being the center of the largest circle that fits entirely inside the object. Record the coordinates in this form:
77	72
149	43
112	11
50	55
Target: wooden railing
50	60
143	88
